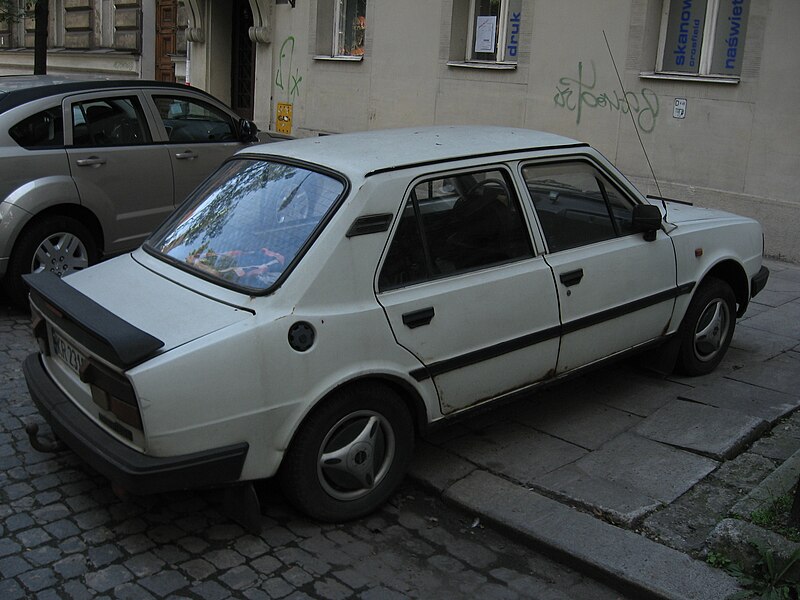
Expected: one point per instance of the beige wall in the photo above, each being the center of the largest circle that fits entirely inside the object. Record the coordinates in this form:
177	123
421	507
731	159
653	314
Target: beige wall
737	148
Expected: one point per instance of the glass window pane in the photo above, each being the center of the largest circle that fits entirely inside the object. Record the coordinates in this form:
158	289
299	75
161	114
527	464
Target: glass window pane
570	204
109	122
486	27
729	38
248	224
45	129
188	120
469	221
684	36
351	27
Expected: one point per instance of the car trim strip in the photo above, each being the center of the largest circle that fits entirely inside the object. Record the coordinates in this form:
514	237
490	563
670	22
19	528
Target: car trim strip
537	337
121	343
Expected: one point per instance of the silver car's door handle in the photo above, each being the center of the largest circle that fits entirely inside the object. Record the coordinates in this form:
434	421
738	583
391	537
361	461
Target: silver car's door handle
92	161
188	155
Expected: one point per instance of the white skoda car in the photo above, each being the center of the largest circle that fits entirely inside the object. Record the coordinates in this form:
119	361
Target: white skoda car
318	303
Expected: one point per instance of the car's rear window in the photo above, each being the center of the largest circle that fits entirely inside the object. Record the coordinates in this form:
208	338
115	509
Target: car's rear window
249	223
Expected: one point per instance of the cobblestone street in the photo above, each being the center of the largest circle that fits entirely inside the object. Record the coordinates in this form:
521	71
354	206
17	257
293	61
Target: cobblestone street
64	534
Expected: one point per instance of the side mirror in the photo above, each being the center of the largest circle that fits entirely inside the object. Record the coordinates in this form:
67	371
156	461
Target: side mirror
248	132
646	219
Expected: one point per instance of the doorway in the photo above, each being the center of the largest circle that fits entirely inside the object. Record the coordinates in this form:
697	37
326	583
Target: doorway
243	60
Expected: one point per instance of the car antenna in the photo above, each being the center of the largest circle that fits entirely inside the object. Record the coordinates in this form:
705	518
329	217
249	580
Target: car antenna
635	128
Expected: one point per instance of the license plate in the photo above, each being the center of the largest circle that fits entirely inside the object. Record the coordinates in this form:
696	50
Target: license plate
67	352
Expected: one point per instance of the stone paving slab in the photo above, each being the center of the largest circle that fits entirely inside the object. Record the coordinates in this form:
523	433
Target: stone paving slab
782	320
744	398
760	345
577	418
515	451
627	389
646	568
654	469
781	374
715	432
618	503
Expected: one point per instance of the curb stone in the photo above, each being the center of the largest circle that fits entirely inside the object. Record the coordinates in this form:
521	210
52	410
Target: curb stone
629	561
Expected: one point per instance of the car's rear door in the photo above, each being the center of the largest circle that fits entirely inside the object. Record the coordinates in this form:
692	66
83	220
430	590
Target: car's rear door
616	289
199	136
120	170
464	291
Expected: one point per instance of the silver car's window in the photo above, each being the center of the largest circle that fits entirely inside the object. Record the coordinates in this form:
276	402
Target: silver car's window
248	224
455	224
45	129
576	204
109	122
188	120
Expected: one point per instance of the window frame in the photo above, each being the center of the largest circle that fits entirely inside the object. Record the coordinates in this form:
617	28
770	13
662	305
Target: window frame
502	22
328	30
602	177
508	36
410	198
707	46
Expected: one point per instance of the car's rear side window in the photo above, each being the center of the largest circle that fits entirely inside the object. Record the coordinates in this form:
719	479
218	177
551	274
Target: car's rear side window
45	129
109	122
455	224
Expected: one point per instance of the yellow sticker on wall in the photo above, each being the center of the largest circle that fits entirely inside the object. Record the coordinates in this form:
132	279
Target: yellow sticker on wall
283	118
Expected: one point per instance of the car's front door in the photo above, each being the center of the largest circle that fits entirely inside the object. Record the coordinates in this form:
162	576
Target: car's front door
200	136
616	289
464	291
121	174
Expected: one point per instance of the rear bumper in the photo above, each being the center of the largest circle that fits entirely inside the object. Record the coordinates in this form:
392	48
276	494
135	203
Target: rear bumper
135	472
758	281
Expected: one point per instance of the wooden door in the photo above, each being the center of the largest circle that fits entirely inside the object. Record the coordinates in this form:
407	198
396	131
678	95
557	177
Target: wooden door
166	38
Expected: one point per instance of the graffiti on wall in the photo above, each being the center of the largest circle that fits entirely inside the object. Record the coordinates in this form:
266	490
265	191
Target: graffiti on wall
285	79
582	93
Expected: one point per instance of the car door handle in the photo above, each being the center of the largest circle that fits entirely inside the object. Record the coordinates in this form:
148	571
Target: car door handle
92	161
418	318
571	277
188	155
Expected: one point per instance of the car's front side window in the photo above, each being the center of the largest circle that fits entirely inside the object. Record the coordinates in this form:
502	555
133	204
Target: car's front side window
454	224
576	204
189	120
247	225
109	122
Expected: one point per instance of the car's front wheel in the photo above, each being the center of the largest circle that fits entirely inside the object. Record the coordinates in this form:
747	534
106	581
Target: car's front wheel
707	328
58	244
350	454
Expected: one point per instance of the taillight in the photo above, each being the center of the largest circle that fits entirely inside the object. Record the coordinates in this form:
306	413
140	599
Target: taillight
113	392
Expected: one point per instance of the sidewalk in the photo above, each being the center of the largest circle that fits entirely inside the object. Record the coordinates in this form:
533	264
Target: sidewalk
631	476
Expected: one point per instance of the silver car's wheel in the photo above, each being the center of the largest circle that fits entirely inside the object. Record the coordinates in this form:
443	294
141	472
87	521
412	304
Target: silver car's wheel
707	327
355	455
350	453
55	243
61	253
711	330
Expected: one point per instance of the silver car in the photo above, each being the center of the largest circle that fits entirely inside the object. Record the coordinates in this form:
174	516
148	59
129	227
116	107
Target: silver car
89	168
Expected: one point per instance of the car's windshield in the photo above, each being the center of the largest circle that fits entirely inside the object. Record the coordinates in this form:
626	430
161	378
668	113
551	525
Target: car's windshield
249	222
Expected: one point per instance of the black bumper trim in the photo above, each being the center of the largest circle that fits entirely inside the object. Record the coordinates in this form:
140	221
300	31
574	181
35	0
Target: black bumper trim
135	472
759	281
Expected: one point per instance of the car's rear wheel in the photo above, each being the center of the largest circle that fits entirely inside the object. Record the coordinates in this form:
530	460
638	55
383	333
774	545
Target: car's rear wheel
58	244
707	328
350	454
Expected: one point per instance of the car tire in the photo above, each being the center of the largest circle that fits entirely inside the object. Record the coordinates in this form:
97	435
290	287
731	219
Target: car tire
707	328
350	454
55	243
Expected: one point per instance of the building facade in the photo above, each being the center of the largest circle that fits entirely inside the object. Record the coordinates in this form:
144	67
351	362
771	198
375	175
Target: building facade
700	93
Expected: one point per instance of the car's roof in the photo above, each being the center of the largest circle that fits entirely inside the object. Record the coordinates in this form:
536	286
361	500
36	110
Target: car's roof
19	89
365	153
